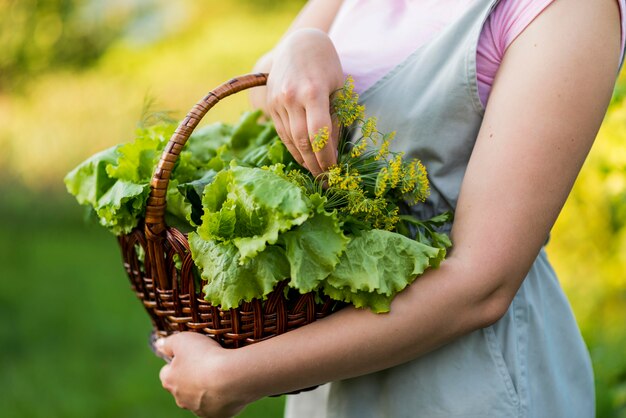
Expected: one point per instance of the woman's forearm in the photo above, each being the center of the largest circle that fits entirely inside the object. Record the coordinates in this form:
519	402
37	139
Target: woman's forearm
439	306
316	14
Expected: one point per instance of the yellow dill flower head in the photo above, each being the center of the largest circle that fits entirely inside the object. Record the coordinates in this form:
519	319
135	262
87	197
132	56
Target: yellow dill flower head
395	167
320	139
345	104
353	113
298	178
357	202
333	175
357	150
383	152
392	219
348	85
421	189
378	214
369	127
381	182
350	181
408	177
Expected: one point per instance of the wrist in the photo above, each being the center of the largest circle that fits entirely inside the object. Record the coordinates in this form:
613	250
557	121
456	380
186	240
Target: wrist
238	377
264	64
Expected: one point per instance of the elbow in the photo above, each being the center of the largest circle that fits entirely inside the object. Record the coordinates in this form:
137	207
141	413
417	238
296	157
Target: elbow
492	290
492	309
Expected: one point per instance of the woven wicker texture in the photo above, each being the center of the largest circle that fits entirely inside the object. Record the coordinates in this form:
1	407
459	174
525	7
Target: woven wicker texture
165	281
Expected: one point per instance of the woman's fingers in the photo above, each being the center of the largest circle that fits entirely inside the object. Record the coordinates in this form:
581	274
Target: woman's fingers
319	123
305	71
298	127
302	140
281	122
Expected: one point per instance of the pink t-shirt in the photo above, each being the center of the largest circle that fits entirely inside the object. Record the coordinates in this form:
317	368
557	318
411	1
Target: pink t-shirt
408	24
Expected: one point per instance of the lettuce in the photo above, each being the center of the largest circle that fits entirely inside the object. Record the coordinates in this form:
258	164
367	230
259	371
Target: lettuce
376	265
251	207
255	218
116	182
229	282
314	249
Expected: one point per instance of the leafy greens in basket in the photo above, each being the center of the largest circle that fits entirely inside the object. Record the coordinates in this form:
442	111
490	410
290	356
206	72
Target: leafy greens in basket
254	217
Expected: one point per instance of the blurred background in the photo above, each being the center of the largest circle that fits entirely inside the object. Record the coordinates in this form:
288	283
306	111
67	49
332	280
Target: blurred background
74	75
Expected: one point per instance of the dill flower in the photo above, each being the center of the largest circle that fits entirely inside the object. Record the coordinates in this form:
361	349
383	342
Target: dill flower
358	148
333	175
300	179
395	167
421	189
369	127
345	104
350	181
392	218
381	182
320	139
408	178
383	152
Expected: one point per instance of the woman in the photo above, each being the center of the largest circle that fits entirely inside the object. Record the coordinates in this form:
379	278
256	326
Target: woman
489	333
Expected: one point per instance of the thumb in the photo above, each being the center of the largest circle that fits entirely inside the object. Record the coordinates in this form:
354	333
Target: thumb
164	348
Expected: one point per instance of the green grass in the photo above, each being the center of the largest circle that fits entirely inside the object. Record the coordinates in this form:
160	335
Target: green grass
73	337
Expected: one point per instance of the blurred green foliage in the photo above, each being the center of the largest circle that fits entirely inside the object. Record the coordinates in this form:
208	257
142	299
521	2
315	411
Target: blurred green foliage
37	36
74	75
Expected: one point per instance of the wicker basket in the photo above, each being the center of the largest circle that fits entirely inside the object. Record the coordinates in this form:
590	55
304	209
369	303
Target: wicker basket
164	280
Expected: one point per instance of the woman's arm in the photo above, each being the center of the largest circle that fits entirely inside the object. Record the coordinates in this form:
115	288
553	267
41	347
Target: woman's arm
304	70
544	111
316	14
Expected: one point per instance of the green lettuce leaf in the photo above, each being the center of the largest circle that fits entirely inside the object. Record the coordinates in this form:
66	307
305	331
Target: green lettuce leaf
247	130
313	250
89	180
138	159
117	204
381	261
377	303
192	192
228	283
121	206
251	207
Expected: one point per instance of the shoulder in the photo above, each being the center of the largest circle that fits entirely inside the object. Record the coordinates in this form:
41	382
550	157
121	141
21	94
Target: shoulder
572	33
512	17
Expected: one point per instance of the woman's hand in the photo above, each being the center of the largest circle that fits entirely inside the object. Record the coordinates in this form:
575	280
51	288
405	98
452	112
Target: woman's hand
305	71
197	376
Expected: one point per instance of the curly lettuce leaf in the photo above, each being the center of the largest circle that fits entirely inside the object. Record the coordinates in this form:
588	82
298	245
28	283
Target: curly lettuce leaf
313	250
246	131
429	232
381	261
117	204
250	207
138	159
273	152
192	192
376	302
89	180
228	283
202	148
120	208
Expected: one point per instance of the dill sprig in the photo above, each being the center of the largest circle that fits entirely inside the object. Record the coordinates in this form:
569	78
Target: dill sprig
369	181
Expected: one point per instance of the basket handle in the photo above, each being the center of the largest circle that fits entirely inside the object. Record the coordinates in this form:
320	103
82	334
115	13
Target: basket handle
155	210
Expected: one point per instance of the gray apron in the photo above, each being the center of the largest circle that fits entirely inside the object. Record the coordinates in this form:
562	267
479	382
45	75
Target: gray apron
531	363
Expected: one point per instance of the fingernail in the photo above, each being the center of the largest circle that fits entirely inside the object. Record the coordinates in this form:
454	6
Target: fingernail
159	343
